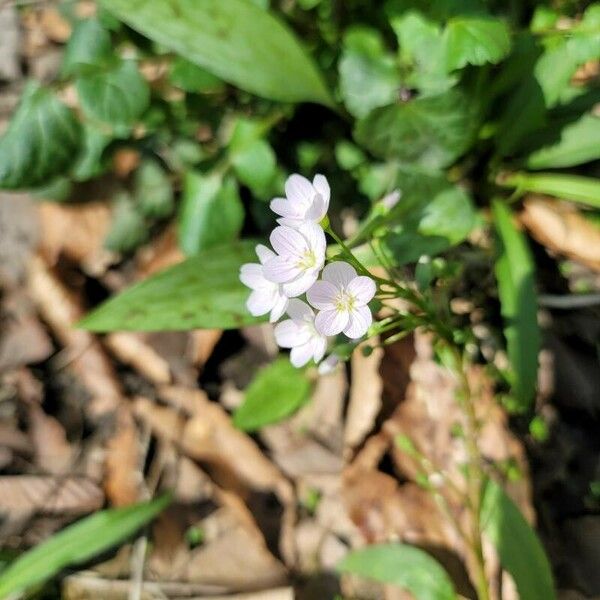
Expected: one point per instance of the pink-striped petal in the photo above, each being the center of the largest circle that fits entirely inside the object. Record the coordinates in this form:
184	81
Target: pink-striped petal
300	355
299	310
299	285
251	275
299	190
263	253
289	334
359	323
288	242
339	273
322	295
363	289
331	322
322	186
279	308
280	270
260	302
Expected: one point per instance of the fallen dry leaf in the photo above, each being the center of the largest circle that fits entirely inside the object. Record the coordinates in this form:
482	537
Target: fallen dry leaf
365	397
10	41
78	231
133	349
123	463
61	309
23	340
561	228
48	495
53	452
18	236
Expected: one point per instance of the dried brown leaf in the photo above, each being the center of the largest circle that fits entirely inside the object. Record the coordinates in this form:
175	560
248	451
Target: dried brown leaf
562	229
49	495
365	397
123	462
53	453
77	231
61	309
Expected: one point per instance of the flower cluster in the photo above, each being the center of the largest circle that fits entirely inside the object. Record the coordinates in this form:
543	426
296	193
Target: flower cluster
292	268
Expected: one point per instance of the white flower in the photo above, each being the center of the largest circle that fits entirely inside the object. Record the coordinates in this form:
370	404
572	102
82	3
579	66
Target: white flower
300	257
342	297
329	365
266	295
299	334
305	201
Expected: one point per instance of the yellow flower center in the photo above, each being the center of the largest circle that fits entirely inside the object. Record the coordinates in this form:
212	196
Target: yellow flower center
344	302
307	261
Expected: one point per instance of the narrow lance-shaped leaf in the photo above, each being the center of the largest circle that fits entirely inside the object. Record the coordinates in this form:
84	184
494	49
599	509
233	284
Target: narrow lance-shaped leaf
77	544
515	274
579	143
235	40
521	553
407	567
584	190
202	292
276	392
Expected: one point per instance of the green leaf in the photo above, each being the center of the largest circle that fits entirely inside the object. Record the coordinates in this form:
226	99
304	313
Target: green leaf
202	292
235	40
369	77
475	40
584	190
89	44
407	567
422	45
579	143
89	161
153	190
515	272
128	228
278	390
192	78
521	553
77	544
431	217
40	142
116	94
432	131
252	157
211	212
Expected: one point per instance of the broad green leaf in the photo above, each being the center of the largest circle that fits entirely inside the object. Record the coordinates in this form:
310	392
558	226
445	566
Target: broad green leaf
369	77
192	78
521	553
202	292
153	190
584	190
128	229
431	217
515	273
475	40
77	544
277	391
407	567
89	44
211	212
89	161
422	46
40	142
115	94
433	131
235	40
252	157
579	143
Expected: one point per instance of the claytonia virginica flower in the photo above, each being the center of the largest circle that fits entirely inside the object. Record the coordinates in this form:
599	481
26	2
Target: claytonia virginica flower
299	334
341	298
266	295
300	257
305	201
